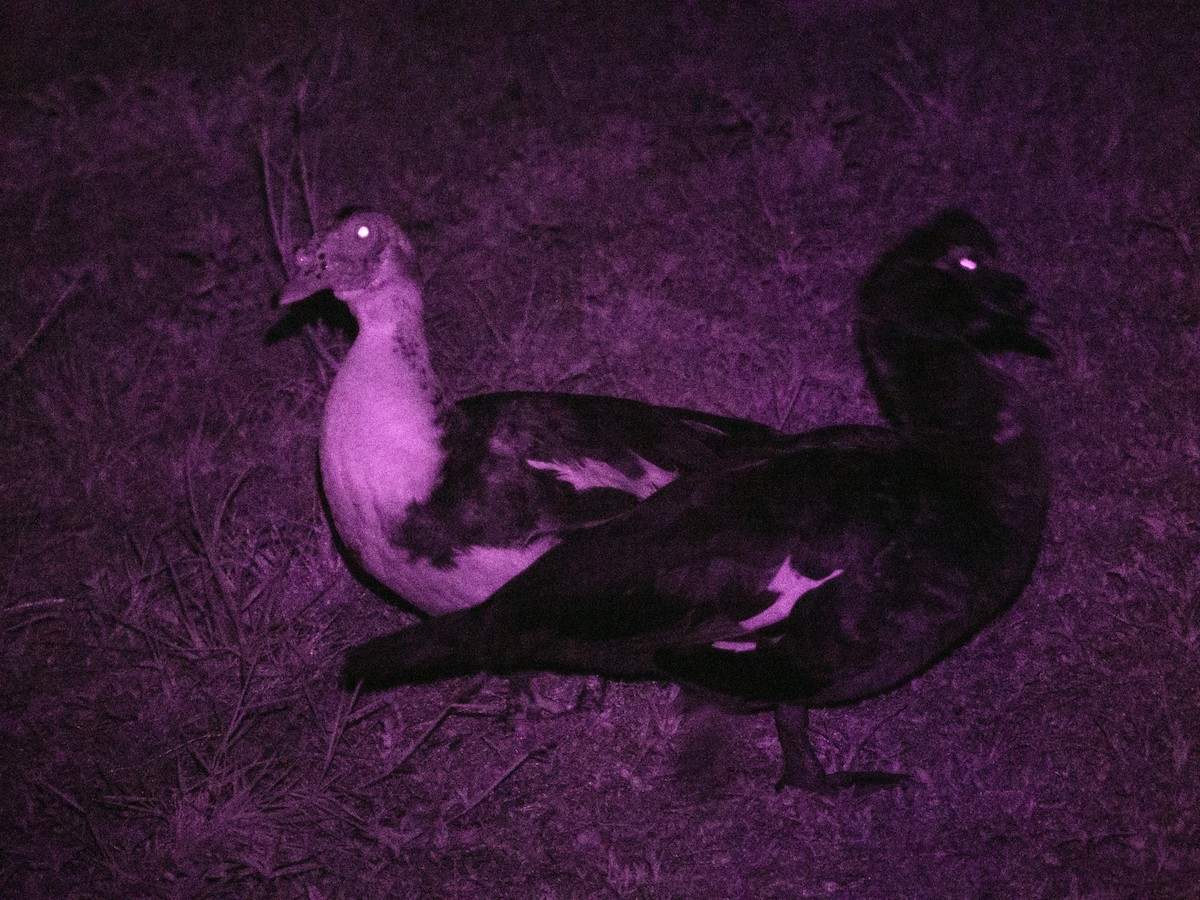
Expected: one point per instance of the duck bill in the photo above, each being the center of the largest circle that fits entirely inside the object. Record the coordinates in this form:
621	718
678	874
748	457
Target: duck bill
1031	341
1037	344
1014	323
302	285
1018	335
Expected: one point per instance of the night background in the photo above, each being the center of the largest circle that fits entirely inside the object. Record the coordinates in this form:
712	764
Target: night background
672	202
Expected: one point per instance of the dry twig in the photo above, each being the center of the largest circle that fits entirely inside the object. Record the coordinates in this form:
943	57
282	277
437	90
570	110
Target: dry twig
54	310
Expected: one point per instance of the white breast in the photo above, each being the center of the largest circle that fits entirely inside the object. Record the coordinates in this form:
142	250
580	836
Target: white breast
380	447
477	573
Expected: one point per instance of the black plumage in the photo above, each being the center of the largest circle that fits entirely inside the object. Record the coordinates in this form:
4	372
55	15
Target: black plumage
816	577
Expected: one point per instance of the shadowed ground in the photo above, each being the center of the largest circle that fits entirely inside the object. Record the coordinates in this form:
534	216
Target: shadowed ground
673	205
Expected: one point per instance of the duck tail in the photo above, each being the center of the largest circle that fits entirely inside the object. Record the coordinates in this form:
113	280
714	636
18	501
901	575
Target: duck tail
428	651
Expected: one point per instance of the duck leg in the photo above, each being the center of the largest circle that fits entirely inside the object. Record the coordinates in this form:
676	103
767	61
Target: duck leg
802	769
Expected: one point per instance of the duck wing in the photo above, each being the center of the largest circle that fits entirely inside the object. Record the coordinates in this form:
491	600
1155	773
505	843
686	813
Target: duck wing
520	466
710	558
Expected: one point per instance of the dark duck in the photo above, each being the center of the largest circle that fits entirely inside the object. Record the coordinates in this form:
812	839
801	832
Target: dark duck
817	577
444	502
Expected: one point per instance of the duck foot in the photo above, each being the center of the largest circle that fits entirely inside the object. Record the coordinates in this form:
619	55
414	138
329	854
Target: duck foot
802	769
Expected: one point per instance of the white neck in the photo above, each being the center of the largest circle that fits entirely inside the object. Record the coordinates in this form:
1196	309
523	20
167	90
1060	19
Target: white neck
381	442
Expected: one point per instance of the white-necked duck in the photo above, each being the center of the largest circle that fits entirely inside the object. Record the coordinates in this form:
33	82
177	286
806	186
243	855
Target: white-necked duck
815	578
445	502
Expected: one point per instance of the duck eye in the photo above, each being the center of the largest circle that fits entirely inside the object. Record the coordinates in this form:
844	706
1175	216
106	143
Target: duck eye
969	264
363	231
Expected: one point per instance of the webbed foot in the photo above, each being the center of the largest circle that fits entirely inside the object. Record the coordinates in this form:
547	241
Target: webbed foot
802	769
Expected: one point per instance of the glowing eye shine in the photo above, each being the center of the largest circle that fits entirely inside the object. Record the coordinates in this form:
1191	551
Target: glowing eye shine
969	264
364	231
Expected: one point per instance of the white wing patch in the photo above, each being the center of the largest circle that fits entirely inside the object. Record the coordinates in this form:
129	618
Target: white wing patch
591	473
705	427
735	646
790	585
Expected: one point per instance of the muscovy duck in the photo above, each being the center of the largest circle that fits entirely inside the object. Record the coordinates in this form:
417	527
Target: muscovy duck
444	502
818	577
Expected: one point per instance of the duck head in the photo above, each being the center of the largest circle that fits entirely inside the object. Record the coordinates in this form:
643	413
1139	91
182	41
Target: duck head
365	260
942	284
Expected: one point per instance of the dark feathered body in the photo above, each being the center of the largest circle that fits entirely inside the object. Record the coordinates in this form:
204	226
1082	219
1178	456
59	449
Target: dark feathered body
818	576
927	557
523	464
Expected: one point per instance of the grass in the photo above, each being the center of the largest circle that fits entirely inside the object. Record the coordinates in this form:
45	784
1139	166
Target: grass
673	205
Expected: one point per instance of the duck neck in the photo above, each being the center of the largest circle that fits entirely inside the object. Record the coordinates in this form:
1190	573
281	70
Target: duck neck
972	425
381	445
945	396
391	335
